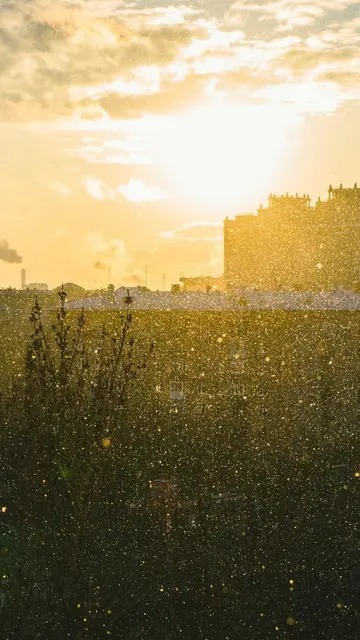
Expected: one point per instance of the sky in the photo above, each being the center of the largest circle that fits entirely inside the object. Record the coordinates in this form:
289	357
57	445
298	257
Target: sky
130	129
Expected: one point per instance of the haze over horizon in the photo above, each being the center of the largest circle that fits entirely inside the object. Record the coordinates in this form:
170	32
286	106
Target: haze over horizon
129	130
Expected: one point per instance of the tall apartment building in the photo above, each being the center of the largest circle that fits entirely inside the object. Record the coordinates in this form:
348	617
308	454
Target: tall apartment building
292	245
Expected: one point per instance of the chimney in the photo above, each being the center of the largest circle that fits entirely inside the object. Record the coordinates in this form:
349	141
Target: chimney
23	278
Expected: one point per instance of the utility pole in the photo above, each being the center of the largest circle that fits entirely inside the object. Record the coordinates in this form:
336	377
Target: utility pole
164	279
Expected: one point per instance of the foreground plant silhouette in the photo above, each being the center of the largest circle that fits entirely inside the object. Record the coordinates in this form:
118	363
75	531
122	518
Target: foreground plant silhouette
68	459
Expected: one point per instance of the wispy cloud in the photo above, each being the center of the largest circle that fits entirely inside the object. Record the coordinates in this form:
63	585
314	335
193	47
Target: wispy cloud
112	256
289	14
98	189
135	190
105	248
195	231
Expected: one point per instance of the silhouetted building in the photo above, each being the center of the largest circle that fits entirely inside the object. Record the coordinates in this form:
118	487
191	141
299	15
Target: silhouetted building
291	245
36	286
202	283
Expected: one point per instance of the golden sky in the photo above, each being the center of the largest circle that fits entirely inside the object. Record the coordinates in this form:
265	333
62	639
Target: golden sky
128	130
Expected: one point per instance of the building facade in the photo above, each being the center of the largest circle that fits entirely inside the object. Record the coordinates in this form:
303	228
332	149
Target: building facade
291	245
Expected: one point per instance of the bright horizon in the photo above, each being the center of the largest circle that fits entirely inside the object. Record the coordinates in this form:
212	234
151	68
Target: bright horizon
130	130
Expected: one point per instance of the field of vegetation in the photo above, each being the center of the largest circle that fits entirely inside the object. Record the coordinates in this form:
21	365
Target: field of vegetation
123	518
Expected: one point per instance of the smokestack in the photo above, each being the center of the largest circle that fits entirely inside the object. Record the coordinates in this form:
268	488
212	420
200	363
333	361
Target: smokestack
23	278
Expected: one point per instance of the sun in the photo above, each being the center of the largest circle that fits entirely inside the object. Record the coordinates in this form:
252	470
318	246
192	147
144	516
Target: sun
220	154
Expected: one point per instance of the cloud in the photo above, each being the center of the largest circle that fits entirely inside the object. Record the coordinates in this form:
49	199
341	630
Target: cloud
172	96
303	58
196	247
7	254
345	78
111	255
96	61
245	82
68	49
136	190
195	231
307	97
105	251
171	15
98	189
287	13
